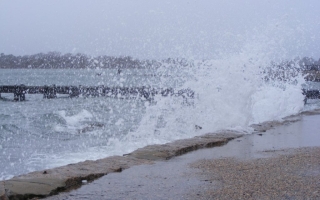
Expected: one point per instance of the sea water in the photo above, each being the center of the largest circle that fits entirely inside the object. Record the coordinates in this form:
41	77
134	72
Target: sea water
232	91
43	133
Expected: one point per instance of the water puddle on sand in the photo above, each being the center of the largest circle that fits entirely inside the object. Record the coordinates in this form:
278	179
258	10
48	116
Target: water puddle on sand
175	178
302	133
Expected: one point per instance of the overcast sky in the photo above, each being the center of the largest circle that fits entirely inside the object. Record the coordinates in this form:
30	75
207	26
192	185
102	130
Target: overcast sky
156	28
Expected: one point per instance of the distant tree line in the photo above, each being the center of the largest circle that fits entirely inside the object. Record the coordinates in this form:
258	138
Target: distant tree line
298	64
285	70
309	64
56	60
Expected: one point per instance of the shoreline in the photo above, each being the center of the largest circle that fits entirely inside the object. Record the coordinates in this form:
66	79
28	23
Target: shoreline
53	181
264	165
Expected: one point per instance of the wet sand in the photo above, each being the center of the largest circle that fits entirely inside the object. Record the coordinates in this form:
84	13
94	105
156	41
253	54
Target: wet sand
280	163
295	175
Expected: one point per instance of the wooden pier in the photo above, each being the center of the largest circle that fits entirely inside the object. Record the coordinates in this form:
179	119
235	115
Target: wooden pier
310	94
49	92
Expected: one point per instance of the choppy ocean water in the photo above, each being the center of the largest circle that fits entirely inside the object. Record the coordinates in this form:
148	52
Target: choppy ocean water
43	133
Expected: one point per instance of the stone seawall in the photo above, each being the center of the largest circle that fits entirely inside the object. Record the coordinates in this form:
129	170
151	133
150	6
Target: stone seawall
52	181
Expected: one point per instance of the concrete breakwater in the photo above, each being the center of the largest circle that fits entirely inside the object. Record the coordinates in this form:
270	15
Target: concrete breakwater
53	181
50	182
49	92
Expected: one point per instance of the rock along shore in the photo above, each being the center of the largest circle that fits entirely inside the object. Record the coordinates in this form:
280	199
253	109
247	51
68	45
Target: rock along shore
52	181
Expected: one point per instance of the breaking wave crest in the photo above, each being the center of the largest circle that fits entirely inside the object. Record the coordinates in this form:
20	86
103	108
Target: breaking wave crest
231	92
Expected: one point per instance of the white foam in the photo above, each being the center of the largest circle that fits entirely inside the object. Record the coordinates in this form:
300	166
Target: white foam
231	92
274	103
73	122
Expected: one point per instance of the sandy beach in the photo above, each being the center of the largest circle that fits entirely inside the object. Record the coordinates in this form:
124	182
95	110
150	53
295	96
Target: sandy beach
280	163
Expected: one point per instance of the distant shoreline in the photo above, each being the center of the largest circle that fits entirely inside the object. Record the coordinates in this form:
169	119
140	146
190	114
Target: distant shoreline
57	60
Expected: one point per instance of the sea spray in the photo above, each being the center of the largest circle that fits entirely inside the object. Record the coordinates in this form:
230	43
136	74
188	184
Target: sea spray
231	92
228	94
233	89
274	103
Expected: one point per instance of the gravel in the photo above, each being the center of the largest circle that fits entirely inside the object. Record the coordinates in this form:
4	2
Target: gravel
294	174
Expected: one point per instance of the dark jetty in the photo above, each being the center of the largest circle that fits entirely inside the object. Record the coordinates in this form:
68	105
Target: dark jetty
50	92
310	94
147	93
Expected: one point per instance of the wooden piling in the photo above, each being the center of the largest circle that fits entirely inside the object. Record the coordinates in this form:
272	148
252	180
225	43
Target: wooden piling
147	93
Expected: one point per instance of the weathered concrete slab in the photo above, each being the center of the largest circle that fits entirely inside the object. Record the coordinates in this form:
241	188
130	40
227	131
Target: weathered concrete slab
34	187
263	127
179	147
193	175
52	181
311	112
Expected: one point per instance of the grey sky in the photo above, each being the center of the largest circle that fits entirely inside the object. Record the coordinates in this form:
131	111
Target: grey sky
154	28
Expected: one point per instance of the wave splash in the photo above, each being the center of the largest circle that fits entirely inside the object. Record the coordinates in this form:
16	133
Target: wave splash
228	96
232	92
